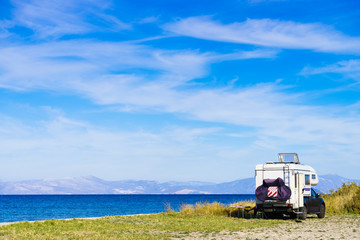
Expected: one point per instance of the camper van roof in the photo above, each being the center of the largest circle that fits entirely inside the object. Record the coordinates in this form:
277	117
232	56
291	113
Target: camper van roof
289	158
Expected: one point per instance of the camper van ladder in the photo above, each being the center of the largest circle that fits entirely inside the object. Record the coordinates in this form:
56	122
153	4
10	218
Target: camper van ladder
286	171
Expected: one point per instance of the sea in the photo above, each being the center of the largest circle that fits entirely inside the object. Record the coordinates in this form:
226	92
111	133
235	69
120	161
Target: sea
14	208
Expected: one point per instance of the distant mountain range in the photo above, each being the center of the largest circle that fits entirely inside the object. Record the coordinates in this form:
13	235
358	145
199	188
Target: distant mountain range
94	185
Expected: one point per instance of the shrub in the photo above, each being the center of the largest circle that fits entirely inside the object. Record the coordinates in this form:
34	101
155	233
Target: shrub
206	208
187	209
247	213
344	200
214	208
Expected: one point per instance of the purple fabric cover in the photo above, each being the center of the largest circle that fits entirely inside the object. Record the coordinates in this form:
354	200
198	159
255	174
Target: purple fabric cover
284	192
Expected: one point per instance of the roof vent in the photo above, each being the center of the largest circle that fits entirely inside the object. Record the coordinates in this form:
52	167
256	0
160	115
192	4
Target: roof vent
289	158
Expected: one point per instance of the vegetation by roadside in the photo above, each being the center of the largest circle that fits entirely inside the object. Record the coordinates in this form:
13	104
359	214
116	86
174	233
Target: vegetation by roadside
216	208
345	200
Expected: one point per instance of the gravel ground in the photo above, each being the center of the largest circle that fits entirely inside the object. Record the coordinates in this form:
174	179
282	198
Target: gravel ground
331	227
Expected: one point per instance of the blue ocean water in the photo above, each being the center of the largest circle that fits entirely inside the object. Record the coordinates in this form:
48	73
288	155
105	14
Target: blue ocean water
42	207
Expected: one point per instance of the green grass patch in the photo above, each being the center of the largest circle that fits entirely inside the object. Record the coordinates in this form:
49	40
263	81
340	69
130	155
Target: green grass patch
157	226
345	200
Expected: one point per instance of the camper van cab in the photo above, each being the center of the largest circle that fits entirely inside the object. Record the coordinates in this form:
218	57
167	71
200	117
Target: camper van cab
285	187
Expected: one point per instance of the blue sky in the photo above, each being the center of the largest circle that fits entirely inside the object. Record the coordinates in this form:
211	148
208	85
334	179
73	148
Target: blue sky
177	90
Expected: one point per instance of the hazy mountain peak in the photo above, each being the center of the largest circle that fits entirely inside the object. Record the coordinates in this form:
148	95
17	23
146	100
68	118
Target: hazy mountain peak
95	185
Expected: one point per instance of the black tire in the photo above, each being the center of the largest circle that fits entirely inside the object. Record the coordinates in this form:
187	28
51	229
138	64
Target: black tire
304	213
322	211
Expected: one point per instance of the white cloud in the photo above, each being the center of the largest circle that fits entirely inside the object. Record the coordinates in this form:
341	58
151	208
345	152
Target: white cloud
132	76
4	25
85	68
278	121
104	73
269	33
274	122
261	1
60	146
57	18
80	65
350	69
151	19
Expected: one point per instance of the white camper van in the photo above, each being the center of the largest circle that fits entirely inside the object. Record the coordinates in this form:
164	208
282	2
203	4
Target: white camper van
285	187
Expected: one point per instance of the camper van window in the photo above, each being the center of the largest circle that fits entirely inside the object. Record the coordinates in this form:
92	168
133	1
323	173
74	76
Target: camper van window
307	179
313	176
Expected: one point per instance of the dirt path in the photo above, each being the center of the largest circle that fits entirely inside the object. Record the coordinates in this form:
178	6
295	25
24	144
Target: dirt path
331	227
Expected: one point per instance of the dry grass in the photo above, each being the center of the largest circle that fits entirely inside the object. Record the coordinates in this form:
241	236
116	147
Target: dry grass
345	200
244	203
214	209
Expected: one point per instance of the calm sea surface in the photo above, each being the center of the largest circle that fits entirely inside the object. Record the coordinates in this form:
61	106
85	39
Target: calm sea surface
41	207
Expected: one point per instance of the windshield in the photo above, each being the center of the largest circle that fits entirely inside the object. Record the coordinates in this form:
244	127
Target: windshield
288	157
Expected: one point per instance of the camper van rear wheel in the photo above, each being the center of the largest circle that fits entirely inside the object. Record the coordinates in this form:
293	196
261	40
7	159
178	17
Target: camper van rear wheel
304	213
322	211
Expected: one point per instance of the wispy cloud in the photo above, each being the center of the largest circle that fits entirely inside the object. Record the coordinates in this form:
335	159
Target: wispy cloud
4	26
276	121
95	71
135	77
57	18
51	144
151	19
269	33
262	1
69	64
350	69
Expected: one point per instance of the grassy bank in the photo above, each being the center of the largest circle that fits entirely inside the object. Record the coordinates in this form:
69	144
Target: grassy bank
345	200
157	226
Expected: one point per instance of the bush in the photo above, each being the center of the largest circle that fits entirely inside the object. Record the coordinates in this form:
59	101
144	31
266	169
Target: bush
344	200
214	208
206	208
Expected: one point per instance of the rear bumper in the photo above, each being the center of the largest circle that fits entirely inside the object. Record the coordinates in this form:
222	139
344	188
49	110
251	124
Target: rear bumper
287	208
